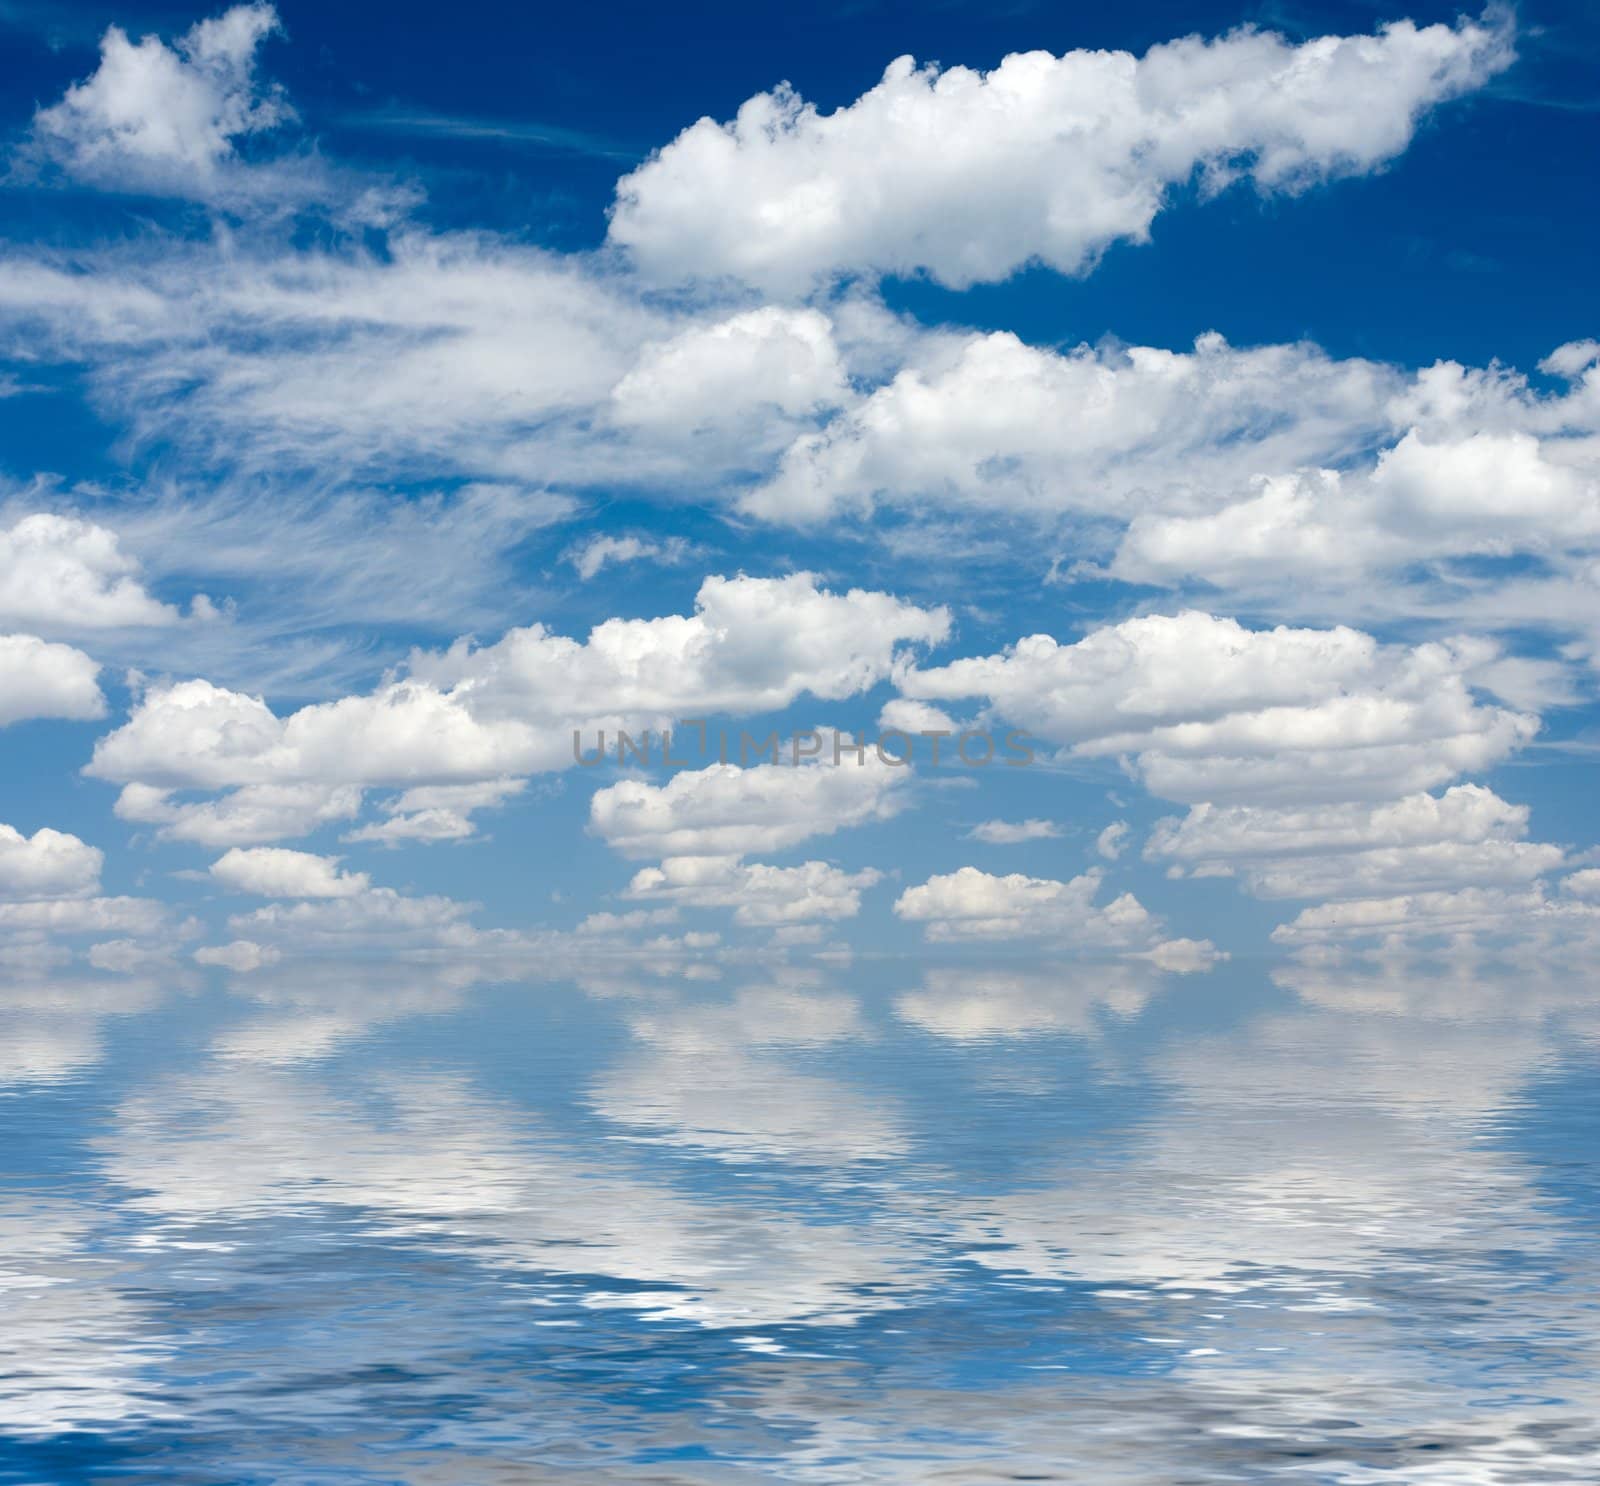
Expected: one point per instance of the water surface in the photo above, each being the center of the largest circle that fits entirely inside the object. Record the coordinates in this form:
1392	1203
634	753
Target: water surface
885	1221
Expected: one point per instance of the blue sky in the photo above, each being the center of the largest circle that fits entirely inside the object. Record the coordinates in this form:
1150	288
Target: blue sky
389	396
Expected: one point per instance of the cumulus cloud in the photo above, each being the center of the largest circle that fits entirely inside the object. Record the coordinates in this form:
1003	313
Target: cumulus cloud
968	176
163	119
760	363
764	896
64	574
39	678
969	904
276	872
990	424
47	864
1466	836
725	810
1209	710
471	715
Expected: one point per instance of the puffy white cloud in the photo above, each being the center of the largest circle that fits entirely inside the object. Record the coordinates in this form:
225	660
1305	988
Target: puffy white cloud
764	896
1479	494
241	956
969	904
1466	911
752	645
62	573
1468	836
989	424
39	678
969	175
1584	884
254	812
165	119
1009	832
47	864
1210	710
725	810
276	872
760	363
470	715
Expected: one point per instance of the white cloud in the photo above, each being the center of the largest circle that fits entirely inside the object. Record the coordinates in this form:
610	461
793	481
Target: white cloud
1465	837
39	678
47	864
969	175
724	810
64	574
134	916
1584	884
241	956
275	872
166	119
471	715
969	904
764	896
598	553
1210	710
1009	832
253	812
1112	841
989	424
753	366
437	812
375	918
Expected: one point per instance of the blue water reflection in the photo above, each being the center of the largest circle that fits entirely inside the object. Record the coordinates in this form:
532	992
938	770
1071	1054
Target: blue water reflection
873	1222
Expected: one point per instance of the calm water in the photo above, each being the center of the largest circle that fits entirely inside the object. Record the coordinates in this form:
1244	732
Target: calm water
880	1222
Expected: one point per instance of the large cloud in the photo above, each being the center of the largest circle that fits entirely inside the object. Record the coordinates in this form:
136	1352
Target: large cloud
968	175
1468	836
990	424
1210	710
474	715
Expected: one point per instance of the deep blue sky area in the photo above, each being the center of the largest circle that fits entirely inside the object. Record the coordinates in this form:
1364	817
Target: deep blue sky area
1476	244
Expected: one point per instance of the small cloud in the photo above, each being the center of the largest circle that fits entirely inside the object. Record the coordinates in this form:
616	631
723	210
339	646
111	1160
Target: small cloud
590	557
1009	832
1112	841
242	956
